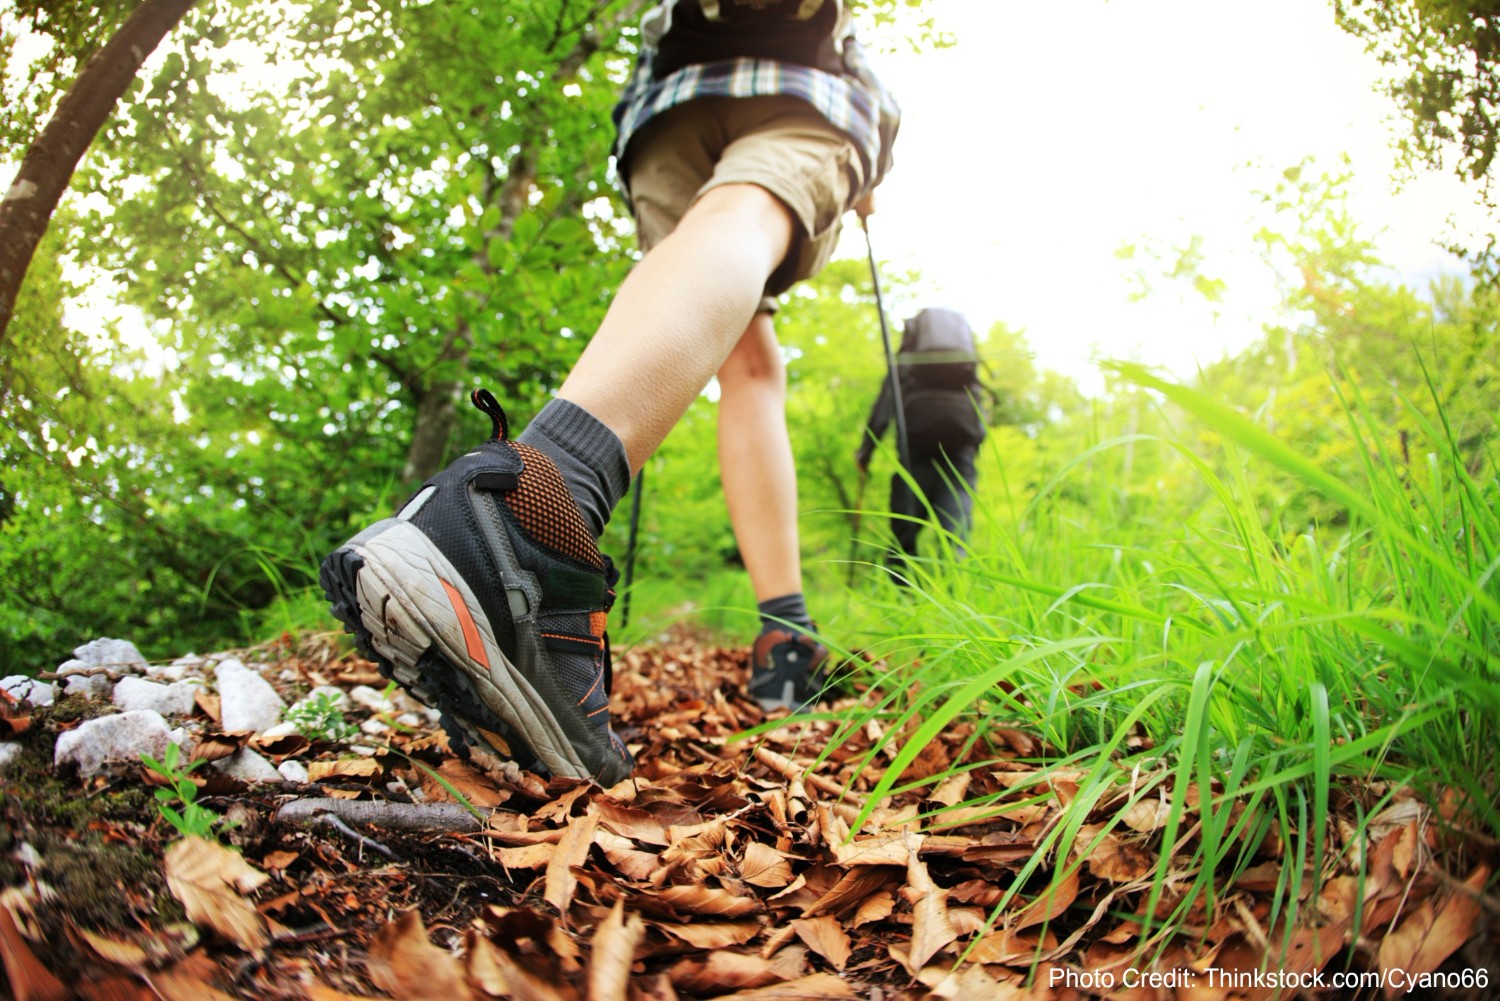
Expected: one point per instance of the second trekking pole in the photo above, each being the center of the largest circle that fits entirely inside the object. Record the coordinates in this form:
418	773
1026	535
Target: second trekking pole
897	406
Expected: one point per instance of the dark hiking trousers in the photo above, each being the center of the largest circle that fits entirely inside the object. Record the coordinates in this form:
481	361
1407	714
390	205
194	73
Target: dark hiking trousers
947	480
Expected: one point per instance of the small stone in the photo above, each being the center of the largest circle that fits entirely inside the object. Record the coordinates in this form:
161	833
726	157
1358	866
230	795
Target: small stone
93	686
247	700
28	856
188	666
177	699
374	727
9	755
110	739
247	766
25	689
293	771
371	699
117	655
280	730
75	666
409	719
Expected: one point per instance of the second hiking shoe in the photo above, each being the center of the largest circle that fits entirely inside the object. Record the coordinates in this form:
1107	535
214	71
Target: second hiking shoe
485	597
786	670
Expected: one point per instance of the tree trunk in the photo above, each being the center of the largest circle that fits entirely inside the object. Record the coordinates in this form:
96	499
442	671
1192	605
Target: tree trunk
436	413
51	159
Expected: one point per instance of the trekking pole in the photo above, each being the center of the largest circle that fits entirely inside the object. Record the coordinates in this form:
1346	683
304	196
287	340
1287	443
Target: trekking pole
890	356
635	523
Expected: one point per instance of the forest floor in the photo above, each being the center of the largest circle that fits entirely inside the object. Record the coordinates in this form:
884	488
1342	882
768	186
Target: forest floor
724	868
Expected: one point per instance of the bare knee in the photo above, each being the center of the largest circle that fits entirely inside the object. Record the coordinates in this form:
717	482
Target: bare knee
747	208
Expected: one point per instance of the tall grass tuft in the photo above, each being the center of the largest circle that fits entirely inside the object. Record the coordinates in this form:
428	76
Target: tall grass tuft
1265	679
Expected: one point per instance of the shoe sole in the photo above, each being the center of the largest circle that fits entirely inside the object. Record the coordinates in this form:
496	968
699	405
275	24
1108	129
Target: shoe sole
412	613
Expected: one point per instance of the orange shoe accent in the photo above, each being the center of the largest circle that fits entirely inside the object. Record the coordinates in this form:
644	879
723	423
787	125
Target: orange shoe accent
598	622
466	623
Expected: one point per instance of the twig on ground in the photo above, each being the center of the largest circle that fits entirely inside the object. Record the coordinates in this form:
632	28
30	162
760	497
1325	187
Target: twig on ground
412	818
332	820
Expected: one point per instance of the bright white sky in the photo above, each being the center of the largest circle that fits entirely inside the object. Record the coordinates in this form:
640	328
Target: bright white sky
1053	133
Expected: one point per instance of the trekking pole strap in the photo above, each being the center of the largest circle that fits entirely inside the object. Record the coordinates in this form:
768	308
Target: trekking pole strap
897	405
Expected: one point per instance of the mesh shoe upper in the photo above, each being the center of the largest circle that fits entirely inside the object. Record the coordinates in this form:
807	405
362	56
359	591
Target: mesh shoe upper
503	517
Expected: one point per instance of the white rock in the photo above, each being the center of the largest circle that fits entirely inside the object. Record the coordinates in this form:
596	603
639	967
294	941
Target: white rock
74	666
94	686
247	700
25	689
280	730
117	655
374	727
293	771
189	666
28	856
371	699
9	755
247	766
176	699
409	719
121	738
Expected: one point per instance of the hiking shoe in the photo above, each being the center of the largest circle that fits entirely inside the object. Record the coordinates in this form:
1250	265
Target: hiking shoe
786	670
485	598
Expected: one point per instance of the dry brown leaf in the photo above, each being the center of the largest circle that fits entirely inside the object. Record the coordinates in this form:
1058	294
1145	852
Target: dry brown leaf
279	860
710	901
404	963
472	784
1435	930
614	945
29	979
1147	815
931	930
527	856
630	821
825	936
720	971
321	992
174	986
765	866
117	951
210	881
952	790
629	861
1052	901
572	850
710	934
818	987
891	850
852	888
875	907
1114	858
317	771
483	966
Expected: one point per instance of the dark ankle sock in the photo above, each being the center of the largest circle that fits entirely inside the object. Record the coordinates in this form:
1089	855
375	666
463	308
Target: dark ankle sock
777	613
587	453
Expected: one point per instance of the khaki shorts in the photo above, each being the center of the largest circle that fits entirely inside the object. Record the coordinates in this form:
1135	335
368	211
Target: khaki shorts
777	142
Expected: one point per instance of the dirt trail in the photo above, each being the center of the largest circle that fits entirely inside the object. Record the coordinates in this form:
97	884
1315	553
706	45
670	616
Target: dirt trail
725	868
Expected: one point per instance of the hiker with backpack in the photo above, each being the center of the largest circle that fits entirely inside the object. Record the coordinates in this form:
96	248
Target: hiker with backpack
938	380
747	130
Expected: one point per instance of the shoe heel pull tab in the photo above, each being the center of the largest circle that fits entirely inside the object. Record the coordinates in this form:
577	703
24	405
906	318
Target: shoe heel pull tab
484	400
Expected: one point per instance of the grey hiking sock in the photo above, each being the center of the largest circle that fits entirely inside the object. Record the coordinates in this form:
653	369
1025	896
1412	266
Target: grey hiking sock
777	613
587	453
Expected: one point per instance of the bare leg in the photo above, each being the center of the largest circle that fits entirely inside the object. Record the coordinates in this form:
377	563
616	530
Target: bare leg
678	314
755	461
